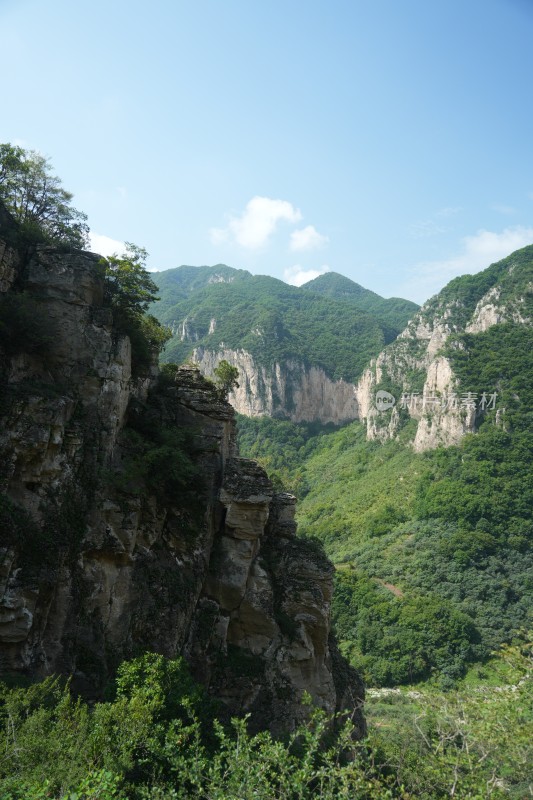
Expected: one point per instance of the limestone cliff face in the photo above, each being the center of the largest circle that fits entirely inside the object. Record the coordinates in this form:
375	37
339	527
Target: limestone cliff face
102	558
290	390
421	377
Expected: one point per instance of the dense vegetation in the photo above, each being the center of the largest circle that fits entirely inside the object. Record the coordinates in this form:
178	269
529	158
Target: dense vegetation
511	277
434	550
434	556
395	311
37	202
129	290
157	737
219	307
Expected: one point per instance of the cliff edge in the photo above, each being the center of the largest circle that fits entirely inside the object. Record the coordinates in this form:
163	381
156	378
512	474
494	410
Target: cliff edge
128	522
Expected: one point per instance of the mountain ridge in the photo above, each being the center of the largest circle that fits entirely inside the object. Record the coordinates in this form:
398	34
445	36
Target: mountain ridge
286	341
420	363
431	497
333	284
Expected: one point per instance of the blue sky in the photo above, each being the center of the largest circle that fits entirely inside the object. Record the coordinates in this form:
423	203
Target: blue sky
389	141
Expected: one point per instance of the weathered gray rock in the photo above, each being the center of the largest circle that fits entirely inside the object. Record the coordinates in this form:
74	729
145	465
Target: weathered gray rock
414	362
291	390
100	561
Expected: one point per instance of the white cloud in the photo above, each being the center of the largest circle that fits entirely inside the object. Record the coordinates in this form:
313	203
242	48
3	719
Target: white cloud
104	245
478	252
425	228
257	223
307	238
448	211
433	226
297	275
219	235
503	209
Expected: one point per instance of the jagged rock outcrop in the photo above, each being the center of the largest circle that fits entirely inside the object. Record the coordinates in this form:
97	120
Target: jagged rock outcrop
129	523
415	367
290	390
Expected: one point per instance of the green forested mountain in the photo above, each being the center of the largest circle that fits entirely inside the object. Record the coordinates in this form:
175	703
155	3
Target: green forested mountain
434	550
393	310
272	320
177	284
510	280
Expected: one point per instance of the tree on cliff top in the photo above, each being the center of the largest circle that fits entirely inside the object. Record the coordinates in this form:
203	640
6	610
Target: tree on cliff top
226	377
129	291
128	284
36	199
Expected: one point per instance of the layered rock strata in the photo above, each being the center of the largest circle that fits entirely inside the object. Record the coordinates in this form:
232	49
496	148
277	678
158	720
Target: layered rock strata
102	558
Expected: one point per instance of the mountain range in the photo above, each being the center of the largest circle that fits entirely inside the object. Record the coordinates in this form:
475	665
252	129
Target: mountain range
426	506
298	350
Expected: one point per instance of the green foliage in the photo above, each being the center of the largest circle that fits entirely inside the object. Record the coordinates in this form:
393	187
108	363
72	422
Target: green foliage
269	319
395	640
130	290
449	529
358	490
128	286
164	684
37	201
167	374
471	743
158	457
394	311
159	739
177	284
25	326
497	360
281	447
226	377
512	276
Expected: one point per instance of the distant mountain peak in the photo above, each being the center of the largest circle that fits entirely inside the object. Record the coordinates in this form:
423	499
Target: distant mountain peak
339	287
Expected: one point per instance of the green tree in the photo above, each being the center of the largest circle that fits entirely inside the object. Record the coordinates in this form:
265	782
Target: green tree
130	290
36	199
128	285
226	377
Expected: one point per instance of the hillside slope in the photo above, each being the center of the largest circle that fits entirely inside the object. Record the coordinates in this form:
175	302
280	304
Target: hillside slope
393	310
434	544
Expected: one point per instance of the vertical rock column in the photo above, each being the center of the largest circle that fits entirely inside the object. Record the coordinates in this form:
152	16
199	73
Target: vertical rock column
261	637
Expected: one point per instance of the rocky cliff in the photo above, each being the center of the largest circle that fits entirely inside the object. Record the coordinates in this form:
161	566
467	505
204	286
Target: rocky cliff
416	368
289	390
298	351
128	522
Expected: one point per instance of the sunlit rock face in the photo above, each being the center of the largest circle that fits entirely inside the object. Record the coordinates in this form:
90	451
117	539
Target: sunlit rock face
99	562
422	376
290	390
